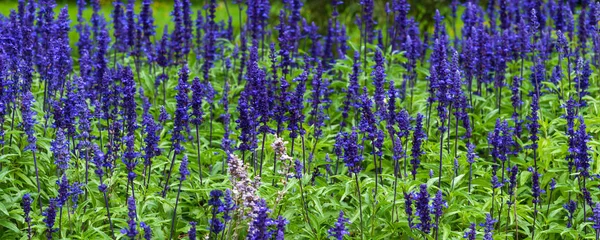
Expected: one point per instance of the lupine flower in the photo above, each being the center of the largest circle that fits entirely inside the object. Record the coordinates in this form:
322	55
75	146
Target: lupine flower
147	230
339	230
471	233
131	230
50	218
552	184
192	231
423	209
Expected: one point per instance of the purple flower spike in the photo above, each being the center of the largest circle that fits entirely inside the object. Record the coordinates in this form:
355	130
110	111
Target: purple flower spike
339	230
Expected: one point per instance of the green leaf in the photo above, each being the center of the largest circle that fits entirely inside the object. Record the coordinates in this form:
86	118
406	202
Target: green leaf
10	226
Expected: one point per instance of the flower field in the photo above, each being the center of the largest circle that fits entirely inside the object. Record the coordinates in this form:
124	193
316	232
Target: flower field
246	120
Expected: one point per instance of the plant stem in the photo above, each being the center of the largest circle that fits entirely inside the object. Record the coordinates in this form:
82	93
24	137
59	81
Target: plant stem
441	152
199	161
359	205
262	154
164	193
37	180
175	211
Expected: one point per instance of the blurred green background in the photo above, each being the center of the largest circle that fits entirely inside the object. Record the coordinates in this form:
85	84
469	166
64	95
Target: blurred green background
318	11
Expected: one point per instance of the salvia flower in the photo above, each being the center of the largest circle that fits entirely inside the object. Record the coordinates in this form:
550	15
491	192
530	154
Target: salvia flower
215	224
595	218
378	75
75	190
571	206
582	158
259	226
63	191
280	223
488	227
228	205
147	230
423	209
183	168
471	233
192	231
50	218
246	123
408	201
181	112
164	115
28	119
26	204
418	138
536	190
60	148
352	149
298	167
197	95
339	230
296	116
437	204
512	182
131	229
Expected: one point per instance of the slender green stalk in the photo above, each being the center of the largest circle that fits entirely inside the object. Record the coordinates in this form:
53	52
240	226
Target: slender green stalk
359	205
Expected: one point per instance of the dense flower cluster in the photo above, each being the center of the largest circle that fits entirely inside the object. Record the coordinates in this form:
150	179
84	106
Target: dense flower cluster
487	89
